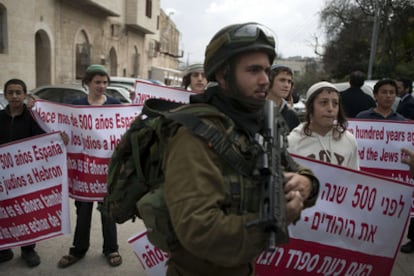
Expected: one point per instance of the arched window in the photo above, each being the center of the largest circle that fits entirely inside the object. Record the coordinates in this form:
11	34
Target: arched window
3	29
83	54
135	62
148	8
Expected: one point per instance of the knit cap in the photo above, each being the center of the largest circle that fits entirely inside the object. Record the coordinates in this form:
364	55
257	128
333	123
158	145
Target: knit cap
96	68
195	67
317	86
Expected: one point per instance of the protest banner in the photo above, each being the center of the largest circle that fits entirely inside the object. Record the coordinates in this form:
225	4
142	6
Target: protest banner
94	132
145	91
151	258
34	202
379	146
355	228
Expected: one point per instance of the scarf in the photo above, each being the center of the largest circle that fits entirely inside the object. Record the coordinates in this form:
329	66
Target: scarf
247	113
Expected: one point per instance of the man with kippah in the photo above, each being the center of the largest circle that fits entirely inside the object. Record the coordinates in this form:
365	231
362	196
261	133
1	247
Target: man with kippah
323	135
95	81
194	79
212	206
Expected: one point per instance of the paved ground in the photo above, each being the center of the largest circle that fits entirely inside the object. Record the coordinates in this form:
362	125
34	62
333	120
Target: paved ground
94	263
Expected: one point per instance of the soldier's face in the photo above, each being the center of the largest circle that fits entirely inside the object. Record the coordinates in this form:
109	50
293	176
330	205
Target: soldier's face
252	75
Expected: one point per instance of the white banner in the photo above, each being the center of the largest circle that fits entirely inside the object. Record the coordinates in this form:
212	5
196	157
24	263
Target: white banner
379	146
355	228
34	202
152	259
145	91
94	132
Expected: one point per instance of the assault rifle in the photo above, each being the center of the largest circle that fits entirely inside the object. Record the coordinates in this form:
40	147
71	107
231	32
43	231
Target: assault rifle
269	169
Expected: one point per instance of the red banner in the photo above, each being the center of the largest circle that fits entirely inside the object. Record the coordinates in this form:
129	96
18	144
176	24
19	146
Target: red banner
33	191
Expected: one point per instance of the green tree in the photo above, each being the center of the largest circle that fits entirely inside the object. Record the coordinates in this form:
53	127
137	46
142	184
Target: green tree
348	25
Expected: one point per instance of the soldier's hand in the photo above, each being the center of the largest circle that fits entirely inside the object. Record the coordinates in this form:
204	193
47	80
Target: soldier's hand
297	182
294	205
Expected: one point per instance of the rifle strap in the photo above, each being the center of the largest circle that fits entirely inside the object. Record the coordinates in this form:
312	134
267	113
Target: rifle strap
214	138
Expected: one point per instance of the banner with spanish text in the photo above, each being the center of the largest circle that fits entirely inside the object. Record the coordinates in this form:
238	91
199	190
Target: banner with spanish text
151	258
34	202
94	132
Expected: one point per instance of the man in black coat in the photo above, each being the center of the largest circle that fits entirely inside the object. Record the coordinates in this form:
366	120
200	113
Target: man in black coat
406	108
406	105
354	100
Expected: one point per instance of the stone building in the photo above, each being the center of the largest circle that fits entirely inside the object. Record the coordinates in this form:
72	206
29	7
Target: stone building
53	41
165	64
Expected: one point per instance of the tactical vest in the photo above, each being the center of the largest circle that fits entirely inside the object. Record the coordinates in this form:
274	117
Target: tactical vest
236	152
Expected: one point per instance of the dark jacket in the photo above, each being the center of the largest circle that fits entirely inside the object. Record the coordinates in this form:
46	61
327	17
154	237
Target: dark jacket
84	101
406	106
290	116
18	127
354	100
373	115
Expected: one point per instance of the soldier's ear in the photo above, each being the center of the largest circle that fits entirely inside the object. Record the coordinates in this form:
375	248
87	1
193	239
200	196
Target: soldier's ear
221	78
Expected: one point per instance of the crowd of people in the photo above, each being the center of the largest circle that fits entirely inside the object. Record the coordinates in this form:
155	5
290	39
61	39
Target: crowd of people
205	215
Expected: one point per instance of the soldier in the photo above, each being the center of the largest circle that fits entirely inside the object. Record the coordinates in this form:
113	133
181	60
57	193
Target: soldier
208	215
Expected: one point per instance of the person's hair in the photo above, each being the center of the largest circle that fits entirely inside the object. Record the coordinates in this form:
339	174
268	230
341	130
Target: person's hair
276	70
229	71
186	81
383	82
407	83
342	122
17	82
357	79
94	70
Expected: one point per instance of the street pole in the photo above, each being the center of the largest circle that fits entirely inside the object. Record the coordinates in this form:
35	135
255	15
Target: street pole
188	59
374	39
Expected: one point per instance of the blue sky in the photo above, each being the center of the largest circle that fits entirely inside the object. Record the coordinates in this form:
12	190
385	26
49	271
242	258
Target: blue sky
295	22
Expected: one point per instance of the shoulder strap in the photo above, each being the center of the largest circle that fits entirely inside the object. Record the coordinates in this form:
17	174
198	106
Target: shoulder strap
208	132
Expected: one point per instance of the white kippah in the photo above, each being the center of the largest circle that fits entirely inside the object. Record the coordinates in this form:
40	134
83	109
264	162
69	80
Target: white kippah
317	86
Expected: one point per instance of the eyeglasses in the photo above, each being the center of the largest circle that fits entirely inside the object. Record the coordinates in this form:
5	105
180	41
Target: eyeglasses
244	34
17	92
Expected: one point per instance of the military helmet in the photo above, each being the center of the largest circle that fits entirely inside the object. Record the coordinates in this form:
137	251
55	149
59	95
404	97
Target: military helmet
235	39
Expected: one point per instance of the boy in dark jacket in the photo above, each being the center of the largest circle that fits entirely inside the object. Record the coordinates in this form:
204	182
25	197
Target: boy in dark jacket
17	123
